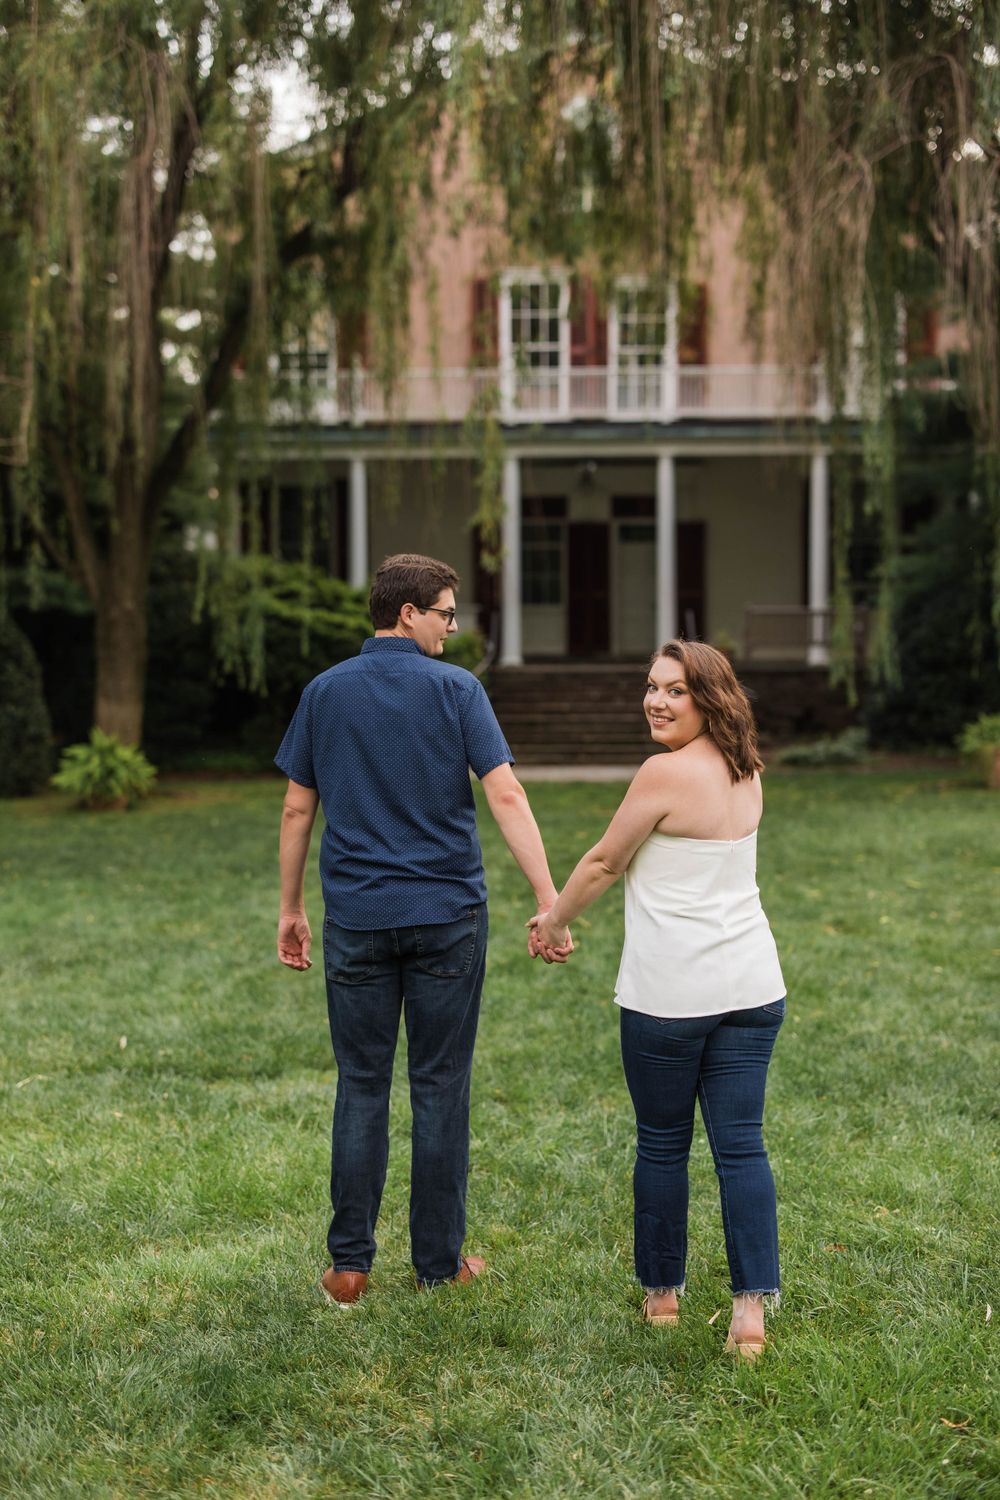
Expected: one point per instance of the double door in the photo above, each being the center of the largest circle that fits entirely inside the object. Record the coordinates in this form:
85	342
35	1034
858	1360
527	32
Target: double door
591	560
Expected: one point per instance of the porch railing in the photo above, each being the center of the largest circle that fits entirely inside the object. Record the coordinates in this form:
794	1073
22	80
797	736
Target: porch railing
795	634
596	393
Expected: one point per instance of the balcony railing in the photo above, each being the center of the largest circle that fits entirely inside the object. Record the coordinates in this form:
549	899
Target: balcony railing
654	393
793	633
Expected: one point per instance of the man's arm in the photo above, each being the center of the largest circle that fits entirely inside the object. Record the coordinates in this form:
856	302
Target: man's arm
508	802
297	818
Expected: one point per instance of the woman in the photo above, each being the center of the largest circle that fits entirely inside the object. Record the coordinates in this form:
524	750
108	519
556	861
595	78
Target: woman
699	986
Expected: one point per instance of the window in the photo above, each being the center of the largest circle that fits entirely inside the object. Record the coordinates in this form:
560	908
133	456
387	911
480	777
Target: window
642	336
538	336
309	357
304	365
541	562
543	508
628	506
634	531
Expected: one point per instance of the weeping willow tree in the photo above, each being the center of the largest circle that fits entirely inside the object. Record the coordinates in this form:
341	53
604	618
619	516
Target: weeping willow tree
859	141
157	243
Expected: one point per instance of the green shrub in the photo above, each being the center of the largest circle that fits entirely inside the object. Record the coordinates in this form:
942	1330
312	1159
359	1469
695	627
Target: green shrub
466	649
300	621
104	773
984	734
25	730
979	743
278	624
945	636
846	749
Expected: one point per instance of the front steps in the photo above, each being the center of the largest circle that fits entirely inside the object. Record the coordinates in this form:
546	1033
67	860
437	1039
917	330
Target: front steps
586	713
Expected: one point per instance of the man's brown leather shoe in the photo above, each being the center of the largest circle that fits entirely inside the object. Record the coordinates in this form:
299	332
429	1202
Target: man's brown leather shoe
343	1287
471	1267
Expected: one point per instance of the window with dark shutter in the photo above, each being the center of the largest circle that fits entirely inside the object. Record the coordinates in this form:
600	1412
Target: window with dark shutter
352	340
692	329
484	323
921	332
588	325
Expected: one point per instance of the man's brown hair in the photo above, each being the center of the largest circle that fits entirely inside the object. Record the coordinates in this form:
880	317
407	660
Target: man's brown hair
407	578
716	693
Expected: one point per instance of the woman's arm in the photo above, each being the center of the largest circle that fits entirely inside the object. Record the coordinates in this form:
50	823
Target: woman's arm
645	803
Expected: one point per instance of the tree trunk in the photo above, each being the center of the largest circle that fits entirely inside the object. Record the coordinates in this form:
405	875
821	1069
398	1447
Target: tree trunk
121	639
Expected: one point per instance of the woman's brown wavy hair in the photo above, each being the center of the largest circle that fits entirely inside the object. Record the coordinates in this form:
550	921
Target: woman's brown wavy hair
716	693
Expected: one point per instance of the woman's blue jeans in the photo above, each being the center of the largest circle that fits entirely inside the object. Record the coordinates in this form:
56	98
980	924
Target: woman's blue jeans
722	1060
433	975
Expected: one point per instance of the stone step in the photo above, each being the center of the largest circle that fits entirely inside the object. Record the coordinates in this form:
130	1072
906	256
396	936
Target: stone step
580	713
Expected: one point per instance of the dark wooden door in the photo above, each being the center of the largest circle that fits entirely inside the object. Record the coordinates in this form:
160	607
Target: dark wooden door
589	591
691	579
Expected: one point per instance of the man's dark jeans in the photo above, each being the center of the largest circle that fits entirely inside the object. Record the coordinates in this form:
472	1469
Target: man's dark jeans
722	1061
434	975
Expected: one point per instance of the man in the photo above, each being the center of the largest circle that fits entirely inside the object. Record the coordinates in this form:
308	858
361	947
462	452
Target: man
385	741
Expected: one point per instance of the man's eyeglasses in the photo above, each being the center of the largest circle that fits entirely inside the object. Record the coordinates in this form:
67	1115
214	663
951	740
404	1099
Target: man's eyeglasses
446	614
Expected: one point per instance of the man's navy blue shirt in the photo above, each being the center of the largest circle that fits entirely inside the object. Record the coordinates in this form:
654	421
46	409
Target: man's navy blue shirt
387	739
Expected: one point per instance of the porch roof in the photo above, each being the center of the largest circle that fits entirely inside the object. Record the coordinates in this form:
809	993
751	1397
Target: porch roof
555	439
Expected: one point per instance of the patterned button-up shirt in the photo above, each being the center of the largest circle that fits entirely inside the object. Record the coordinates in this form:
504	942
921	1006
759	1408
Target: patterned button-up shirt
387	739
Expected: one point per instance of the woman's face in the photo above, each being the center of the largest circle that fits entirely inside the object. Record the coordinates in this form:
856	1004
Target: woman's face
673	719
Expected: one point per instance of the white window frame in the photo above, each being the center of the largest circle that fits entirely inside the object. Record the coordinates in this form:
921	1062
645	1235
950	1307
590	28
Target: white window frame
531	543
548	398
321	341
664	380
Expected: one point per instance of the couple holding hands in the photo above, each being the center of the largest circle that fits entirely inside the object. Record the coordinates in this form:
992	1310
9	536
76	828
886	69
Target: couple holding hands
385	741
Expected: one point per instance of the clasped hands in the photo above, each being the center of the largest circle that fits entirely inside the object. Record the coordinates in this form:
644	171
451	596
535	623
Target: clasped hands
548	941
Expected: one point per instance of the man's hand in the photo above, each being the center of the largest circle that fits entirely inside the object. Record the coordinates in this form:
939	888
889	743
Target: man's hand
297	818
294	940
547	941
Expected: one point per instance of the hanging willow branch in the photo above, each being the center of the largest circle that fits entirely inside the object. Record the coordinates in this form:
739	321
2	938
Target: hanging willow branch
156	238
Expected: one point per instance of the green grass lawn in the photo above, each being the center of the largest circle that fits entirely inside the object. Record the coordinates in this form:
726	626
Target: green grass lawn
166	1102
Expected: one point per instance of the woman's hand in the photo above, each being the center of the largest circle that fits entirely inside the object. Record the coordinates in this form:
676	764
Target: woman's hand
547	940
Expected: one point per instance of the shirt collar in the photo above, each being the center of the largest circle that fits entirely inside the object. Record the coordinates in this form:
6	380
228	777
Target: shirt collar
390	643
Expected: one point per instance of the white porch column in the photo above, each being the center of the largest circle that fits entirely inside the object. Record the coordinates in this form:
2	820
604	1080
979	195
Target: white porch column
819	548
666	549
510	610
357	524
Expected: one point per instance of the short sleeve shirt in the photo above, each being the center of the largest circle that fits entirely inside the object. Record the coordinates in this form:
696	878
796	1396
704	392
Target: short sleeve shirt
387	739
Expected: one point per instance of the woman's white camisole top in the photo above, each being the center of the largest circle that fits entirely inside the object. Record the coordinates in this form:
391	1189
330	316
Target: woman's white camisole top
697	942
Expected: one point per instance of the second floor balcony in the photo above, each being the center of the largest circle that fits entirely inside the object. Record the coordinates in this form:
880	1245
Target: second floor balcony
643	394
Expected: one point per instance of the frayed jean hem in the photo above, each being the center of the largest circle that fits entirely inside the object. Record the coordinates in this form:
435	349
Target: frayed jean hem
770	1297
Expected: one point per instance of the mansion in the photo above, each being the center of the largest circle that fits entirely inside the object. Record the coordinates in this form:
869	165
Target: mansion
658	477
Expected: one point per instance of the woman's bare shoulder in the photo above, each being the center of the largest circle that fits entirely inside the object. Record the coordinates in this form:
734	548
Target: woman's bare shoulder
660	772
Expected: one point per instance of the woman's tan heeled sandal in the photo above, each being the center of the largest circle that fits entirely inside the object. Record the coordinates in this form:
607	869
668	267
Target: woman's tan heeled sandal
659	1320
745	1348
